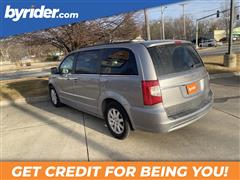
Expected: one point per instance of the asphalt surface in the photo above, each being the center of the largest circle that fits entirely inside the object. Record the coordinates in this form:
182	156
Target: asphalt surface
39	131
221	50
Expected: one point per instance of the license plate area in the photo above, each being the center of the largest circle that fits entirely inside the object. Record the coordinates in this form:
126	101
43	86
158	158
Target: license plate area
192	88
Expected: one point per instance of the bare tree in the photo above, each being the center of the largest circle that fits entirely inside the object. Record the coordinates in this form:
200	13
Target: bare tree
174	28
12	49
225	17
73	36
70	37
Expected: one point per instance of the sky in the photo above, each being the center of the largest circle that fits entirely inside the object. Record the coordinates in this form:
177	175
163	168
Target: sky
193	8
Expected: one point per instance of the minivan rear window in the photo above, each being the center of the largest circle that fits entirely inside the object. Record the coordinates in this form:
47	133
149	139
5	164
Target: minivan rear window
174	58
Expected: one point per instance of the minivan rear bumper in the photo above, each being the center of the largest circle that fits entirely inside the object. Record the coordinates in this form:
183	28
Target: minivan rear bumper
156	119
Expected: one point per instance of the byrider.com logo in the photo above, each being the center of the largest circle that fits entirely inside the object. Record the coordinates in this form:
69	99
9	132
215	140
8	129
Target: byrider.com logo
42	12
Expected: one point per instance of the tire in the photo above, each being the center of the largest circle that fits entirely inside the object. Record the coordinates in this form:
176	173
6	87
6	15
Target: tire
54	97
117	120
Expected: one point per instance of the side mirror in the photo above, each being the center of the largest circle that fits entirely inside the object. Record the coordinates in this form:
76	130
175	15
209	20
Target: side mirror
65	71
54	70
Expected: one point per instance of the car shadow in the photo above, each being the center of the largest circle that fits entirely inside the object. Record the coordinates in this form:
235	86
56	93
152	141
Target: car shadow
74	115
70	114
39	88
233	80
225	99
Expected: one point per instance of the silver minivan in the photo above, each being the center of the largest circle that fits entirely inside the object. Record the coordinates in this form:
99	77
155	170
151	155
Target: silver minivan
156	86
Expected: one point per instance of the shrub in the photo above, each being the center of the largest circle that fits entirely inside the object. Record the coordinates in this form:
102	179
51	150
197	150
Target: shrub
52	58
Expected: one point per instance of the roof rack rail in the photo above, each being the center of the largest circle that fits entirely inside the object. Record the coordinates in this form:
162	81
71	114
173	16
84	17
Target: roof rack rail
111	42
138	39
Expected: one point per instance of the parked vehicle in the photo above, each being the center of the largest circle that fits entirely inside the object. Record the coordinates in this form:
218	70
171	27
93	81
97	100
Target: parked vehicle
200	40
235	38
157	86
209	43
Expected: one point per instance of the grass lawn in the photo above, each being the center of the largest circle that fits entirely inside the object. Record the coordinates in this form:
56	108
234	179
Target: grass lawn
23	88
214	64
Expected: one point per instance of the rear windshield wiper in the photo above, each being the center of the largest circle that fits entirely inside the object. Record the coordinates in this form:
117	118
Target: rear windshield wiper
194	65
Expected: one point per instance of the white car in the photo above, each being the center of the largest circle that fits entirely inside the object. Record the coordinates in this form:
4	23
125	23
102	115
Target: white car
210	43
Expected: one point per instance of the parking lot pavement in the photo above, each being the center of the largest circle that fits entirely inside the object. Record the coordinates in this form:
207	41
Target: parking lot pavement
227	95
35	132
41	132
205	140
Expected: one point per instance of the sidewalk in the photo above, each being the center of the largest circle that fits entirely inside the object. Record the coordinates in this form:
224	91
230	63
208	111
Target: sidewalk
227	95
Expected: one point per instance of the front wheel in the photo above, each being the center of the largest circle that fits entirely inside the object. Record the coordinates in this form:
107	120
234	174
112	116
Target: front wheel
54	97
117	120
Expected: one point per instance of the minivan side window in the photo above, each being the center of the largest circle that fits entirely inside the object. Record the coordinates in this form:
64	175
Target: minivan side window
119	61
67	65
88	62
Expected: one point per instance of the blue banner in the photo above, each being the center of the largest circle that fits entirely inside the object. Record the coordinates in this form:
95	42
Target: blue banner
24	16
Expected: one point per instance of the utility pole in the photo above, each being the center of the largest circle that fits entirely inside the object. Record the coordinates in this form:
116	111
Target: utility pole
162	20
230	59
196	34
147	24
184	23
231	27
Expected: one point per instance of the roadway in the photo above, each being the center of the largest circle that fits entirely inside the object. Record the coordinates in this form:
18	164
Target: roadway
220	50
24	74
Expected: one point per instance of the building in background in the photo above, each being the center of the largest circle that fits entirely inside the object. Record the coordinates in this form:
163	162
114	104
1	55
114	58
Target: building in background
221	34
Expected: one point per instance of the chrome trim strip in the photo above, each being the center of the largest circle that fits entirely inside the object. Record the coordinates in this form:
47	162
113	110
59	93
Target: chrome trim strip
84	97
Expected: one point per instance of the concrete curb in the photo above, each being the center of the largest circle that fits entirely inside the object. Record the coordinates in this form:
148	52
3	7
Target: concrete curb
24	100
223	75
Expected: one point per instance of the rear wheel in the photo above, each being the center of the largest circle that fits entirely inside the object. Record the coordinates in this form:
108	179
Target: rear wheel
117	120
54	97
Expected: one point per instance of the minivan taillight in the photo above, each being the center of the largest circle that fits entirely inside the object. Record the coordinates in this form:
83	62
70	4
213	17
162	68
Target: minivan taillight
151	92
178	42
